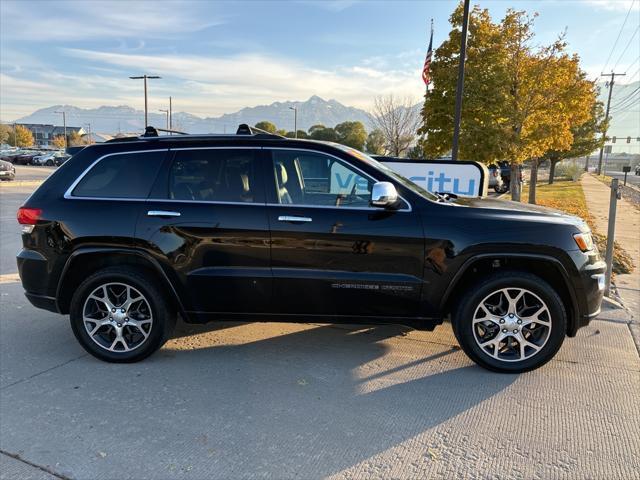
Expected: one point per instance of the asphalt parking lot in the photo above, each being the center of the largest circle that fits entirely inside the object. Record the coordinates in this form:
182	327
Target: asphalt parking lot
276	400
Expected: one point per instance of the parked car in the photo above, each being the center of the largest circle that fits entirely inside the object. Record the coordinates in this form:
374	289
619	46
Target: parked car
50	159
132	232
495	180
505	173
7	170
24	157
637	171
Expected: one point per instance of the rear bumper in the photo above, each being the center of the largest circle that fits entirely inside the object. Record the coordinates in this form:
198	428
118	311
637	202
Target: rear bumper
42	301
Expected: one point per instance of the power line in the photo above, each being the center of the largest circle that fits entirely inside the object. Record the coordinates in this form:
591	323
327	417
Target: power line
628	101
627	47
619	33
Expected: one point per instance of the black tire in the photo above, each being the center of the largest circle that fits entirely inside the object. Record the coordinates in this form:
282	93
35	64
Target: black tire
463	328
49	163
163	314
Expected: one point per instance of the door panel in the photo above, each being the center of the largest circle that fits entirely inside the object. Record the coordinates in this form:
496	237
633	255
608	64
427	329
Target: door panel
344	258
212	229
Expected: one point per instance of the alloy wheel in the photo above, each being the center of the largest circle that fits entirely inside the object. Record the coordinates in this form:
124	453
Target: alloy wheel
117	317
511	324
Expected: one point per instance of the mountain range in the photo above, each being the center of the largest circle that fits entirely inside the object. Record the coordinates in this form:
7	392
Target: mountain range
315	110
109	119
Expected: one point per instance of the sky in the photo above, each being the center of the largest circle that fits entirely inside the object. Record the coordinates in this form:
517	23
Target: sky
216	57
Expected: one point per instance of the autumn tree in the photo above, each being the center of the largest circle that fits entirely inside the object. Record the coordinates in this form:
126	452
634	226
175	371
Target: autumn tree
398	120
520	100
586	139
5	132
375	143
351	134
76	139
20	136
58	142
266	126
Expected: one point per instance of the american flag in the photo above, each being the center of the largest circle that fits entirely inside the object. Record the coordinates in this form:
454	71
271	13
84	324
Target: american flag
426	73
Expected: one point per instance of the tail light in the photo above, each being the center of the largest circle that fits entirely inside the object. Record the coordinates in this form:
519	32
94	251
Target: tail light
28	217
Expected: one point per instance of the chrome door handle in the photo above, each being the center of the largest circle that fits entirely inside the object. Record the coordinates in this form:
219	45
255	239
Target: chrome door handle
293	218
162	213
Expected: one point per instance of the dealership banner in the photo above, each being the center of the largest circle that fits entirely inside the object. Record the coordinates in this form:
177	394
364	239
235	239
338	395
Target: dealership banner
465	179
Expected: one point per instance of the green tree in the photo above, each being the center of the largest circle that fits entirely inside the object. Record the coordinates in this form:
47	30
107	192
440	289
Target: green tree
375	143
266	126
520	100
282	132
351	134
301	134
320	132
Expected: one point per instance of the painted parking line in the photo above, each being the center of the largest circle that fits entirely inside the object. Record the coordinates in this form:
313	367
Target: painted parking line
21	183
9	278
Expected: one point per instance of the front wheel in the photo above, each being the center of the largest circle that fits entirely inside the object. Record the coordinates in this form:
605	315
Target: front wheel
119	315
49	163
510	322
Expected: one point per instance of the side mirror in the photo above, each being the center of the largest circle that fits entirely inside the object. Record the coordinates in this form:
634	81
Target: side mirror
383	195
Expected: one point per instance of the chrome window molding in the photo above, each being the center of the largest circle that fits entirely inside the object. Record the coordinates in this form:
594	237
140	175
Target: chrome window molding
75	183
68	193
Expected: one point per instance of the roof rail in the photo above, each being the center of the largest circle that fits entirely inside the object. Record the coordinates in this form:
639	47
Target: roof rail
244	129
150	132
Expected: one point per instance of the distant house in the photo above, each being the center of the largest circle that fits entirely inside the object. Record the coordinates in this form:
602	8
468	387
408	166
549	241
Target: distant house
43	134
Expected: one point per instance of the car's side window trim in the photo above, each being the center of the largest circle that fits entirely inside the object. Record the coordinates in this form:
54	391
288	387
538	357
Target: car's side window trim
68	193
365	174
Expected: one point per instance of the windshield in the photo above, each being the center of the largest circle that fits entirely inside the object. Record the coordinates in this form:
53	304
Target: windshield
387	171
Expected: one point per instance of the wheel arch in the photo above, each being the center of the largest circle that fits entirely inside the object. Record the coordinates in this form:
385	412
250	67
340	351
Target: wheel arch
84	261
546	267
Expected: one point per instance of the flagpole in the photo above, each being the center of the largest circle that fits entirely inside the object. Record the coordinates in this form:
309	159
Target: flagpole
430	45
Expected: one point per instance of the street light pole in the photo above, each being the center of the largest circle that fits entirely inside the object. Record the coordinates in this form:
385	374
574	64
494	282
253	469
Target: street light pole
165	111
170	116
295	121
606	115
64	122
460	85
145	77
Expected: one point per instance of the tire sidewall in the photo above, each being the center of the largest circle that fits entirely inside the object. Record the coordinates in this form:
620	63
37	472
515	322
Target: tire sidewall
463	321
162	319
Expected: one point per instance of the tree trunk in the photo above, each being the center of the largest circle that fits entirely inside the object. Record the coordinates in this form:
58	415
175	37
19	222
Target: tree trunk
552	171
514	185
533	181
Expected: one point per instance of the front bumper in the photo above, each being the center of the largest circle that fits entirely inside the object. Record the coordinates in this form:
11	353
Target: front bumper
590	291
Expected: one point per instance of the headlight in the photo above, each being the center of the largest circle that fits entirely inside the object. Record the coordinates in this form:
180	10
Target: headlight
584	241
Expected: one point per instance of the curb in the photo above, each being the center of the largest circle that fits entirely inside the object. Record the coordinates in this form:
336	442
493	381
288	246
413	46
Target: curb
21	183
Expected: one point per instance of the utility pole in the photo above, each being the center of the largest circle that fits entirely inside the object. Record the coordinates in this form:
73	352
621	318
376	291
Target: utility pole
295	121
460	85
64	122
606	116
170	116
166	112
145	77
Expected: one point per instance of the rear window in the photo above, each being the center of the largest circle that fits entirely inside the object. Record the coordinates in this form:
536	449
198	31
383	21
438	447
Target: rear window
128	175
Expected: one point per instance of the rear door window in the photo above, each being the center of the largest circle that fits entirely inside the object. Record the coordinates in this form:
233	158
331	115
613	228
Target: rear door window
128	175
215	175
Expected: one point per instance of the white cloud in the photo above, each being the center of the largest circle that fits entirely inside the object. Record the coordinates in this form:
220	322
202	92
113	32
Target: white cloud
264	79
71	20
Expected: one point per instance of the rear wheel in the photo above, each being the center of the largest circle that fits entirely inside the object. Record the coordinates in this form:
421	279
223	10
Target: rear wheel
119	315
510	322
49	163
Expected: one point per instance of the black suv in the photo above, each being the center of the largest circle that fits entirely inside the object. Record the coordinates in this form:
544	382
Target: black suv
128	234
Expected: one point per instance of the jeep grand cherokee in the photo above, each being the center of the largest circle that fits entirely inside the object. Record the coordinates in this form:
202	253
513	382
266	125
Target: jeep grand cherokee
128	234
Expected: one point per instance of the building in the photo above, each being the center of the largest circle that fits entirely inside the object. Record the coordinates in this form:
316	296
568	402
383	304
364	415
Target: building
43	134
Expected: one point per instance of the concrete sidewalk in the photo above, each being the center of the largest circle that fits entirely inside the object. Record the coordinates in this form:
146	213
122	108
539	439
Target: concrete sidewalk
627	235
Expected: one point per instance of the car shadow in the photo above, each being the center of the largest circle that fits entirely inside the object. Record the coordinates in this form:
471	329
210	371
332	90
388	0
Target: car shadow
319	400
